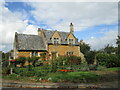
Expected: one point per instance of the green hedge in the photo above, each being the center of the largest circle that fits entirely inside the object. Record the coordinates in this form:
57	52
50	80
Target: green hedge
35	71
108	60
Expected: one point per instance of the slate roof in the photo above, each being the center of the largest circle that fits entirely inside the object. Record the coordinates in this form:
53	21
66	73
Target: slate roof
63	35
49	34
36	42
30	42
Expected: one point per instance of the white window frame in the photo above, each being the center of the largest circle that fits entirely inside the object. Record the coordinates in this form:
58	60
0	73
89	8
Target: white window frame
56	40
71	41
34	54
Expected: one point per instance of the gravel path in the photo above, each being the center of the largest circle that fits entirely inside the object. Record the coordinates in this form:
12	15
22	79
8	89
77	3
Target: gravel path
11	83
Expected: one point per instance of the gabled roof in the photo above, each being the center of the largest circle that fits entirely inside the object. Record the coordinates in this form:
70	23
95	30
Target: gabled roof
30	42
64	35
49	33
37	42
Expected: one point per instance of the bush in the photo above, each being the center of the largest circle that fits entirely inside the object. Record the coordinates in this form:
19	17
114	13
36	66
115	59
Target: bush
21	60
13	76
92	67
84	67
39	63
33	60
20	71
5	63
99	67
67	60
5	70
90	56
108	60
35	71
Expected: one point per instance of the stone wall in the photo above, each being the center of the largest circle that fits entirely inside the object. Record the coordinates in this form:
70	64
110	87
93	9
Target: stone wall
24	53
63	49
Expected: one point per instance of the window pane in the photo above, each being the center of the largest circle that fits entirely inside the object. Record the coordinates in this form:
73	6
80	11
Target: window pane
70	41
56	40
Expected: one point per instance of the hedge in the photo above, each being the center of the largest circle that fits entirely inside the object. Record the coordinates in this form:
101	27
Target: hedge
108	60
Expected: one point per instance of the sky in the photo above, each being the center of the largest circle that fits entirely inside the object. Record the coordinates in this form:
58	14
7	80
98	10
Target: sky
96	23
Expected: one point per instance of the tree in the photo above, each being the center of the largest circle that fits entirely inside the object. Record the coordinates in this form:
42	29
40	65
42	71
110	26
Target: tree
90	56
84	48
118	42
3	55
110	49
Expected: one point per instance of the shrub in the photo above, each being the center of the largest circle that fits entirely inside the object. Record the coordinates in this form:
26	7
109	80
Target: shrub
39	63
92	67
5	70
84	67
20	71
13	76
90	56
100	67
35	71
67	60
5	63
21	60
108	60
33	60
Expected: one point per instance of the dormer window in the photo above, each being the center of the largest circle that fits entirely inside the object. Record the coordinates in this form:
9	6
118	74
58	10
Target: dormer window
70	41
56	40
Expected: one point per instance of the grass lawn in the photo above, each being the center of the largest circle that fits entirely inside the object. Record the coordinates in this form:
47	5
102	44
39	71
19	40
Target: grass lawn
113	69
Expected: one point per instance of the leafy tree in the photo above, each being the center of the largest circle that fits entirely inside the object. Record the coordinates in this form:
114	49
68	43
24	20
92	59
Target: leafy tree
84	48
118	42
90	56
108	60
3	55
109	49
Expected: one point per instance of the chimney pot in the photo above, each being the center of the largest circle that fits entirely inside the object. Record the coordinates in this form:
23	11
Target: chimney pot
39	29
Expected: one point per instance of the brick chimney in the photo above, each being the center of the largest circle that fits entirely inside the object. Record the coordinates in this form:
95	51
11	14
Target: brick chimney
81	42
71	28
40	31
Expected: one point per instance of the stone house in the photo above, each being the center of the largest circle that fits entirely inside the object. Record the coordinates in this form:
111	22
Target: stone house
49	43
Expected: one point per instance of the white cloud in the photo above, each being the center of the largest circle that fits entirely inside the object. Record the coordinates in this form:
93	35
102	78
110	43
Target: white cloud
58	16
101	42
11	22
63	0
31	29
83	15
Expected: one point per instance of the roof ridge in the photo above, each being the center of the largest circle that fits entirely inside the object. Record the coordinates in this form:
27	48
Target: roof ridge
55	30
27	34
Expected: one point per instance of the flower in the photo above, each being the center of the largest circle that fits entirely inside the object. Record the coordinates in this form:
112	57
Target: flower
65	70
9	60
13	60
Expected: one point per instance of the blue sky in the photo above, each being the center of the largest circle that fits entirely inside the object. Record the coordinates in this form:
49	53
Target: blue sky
93	22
